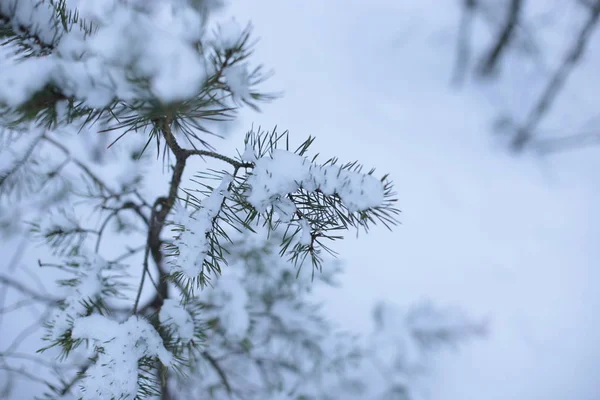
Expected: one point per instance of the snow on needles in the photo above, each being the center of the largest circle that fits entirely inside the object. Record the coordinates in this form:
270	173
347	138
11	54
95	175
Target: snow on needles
238	81
284	172
114	375
272	179
231	299
132	42
88	287
229	34
192	243
178	319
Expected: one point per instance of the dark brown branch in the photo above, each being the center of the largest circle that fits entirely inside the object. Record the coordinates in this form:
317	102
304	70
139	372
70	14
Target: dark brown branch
160	210
491	60
463	53
212	154
525	133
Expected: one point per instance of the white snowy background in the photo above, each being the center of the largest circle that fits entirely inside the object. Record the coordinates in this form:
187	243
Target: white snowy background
506	237
509	237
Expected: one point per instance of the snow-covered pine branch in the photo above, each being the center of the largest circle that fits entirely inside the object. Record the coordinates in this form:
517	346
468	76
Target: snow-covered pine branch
203	291
279	187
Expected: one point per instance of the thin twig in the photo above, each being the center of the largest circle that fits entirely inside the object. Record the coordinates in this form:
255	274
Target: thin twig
130	252
213	362
37	360
28	375
28	331
573	142
525	134
115	211
77	377
141	285
32	294
16	306
7	174
463	53
490	62
12	265
212	154
80	164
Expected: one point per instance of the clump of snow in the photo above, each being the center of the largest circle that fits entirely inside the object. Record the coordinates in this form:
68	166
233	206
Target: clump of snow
178	319
282	173
306	238
182	21
129	44
90	283
230	297
180	215
192	243
248	155
20	80
115	373
229	34
29	13
238	81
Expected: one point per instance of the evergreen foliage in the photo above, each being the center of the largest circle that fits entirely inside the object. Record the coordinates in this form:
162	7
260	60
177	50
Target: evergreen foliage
229	258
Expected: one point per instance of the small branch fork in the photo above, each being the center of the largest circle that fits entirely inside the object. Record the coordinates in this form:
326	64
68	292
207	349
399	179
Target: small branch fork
160	210
163	206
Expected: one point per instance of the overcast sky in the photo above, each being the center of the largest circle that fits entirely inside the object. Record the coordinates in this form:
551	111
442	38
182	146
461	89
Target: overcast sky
513	238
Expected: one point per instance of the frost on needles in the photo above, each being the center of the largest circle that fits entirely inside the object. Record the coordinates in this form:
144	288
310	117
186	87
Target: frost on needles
203	291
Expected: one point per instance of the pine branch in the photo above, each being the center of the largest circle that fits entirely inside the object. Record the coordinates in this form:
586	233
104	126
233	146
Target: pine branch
15	31
160	210
69	385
